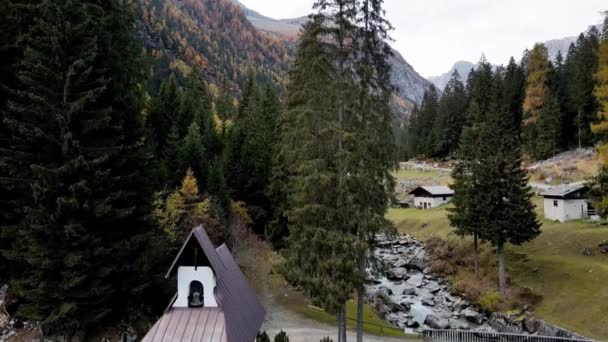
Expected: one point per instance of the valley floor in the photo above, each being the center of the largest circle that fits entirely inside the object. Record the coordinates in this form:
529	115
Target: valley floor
573	285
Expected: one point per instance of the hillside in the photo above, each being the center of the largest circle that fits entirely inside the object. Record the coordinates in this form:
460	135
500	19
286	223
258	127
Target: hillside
213	35
226	40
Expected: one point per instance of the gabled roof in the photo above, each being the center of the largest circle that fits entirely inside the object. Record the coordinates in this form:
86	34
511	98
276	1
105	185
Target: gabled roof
434	190
562	191
243	314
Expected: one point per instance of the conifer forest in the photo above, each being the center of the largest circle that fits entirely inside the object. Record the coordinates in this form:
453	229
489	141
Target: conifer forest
124	124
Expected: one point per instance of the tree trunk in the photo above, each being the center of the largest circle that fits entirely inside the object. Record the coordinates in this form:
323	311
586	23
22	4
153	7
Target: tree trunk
343	332
475	258
360	294
578	119
340	325
502	283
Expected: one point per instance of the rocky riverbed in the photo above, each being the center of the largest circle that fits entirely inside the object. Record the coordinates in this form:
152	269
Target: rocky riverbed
410	297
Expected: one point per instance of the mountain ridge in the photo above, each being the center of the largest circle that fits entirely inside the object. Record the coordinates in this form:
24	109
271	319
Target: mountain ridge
553	46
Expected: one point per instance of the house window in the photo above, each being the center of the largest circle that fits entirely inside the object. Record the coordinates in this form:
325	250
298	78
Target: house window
555	203
444	198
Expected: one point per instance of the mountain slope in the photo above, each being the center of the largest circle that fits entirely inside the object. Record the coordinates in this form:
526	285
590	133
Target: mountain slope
226	40
213	35
411	86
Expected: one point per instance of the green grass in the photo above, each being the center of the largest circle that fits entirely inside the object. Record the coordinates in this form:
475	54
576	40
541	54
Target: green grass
422	224
372	323
295	301
574	286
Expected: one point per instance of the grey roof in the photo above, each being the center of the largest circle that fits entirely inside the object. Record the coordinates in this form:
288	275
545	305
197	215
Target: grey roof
435	190
189	324
241	310
563	190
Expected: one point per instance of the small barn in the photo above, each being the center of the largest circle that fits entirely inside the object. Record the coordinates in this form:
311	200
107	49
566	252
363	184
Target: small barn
426	197
565	202
214	301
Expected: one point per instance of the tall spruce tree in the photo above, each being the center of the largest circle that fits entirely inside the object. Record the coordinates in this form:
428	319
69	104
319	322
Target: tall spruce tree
414	135
427	116
466	216
163	114
513	92
337	150
368	168
548	127
12	27
585	68
600	128
451	116
319	255
568	100
480	87
505	205
74	115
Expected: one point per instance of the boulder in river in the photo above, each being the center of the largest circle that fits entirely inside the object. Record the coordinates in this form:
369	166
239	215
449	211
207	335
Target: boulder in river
428	302
459	306
397	273
406	306
436	322
383	290
410	323
433	287
530	325
409	291
415	279
458	324
417	264
472	316
401	307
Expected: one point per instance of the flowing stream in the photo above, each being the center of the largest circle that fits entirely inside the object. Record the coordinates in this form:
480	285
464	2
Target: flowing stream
410	297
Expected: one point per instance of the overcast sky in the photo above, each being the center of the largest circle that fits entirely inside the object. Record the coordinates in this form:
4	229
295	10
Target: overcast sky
433	34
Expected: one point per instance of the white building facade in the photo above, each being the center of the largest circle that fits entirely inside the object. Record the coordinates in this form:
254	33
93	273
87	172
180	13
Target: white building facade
427	197
565	203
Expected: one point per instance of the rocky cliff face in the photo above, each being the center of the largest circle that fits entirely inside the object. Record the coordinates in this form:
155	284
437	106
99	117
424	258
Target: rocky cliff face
411	86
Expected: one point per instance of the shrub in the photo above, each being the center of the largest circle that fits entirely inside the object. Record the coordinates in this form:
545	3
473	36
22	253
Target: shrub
262	337
489	301
326	339
281	337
